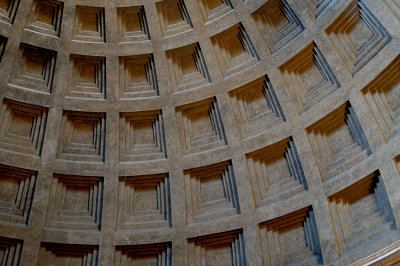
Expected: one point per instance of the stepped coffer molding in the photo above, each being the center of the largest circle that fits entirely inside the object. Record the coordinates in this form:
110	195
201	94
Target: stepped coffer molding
199	132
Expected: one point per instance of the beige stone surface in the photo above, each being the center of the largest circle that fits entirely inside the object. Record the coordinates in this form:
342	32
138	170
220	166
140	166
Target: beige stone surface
198	132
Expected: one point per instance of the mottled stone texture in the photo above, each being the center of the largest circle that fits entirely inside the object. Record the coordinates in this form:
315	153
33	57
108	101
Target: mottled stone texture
199	132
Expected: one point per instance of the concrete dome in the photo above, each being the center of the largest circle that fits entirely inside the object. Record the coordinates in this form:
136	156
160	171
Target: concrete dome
199	132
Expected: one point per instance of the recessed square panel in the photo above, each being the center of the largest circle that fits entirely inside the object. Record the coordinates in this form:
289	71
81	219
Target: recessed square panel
338	142
45	13
364	203
33	69
17	187
212	189
89	24
137	73
77	198
138	77
357	36
200	127
132	24
187	68
211	10
87	20
144	202
173	17
22	127
277	23
383	98
308	78
86	77
256	108
225	248
88	73
75	203
21	124
234	50
8	10
142	136
276	173
147	254
221	254
291	239
45	17
67	254
11	250
9	188
82	137
146	198
210	193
